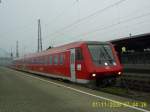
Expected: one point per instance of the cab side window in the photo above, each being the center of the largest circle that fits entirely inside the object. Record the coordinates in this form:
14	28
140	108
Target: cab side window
50	60
61	61
79	55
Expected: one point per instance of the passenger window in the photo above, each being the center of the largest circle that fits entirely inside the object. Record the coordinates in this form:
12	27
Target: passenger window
37	61
45	60
61	59
79	55
50	60
56	59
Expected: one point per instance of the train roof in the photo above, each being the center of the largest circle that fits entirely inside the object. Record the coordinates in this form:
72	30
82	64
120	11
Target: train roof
63	48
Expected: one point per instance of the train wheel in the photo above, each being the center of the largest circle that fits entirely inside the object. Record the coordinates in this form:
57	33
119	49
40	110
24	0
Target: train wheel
101	83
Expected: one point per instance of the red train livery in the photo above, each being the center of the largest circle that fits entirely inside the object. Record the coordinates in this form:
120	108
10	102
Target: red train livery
81	62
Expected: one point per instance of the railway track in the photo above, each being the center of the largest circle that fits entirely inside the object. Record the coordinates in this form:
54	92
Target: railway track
137	81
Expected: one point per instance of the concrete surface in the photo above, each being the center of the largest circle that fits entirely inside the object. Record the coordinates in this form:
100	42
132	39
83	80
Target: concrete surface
23	92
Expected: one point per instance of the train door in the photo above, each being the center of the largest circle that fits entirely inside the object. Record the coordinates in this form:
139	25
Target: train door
72	65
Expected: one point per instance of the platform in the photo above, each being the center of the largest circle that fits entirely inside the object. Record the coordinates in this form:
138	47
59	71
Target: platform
23	92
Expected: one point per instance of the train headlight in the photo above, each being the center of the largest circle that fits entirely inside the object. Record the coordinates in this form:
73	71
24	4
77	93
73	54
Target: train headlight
105	63
119	73
114	63
93	74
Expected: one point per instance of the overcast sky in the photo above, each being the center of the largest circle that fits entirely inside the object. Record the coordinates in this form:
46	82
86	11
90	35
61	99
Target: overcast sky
64	21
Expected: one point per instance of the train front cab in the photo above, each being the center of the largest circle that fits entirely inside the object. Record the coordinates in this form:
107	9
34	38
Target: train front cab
103	65
94	63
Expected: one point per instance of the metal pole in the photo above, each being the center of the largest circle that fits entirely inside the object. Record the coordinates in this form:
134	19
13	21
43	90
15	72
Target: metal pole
39	36
17	49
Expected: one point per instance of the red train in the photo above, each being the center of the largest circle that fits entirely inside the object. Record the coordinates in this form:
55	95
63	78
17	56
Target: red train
81	62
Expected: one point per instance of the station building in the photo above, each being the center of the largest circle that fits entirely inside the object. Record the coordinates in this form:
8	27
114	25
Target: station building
133	49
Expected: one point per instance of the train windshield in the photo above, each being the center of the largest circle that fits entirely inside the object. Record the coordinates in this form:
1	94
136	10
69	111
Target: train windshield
102	54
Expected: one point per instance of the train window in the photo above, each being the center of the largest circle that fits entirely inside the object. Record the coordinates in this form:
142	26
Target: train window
56	59
32	60
50	60
101	54
40	60
61	59
79	55
45	60
37	60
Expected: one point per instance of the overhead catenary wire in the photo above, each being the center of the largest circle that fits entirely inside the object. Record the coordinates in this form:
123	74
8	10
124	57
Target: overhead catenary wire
27	26
118	12
112	25
61	13
117	23
87	17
